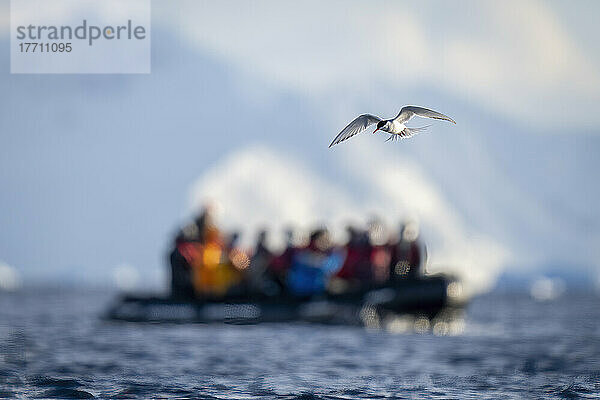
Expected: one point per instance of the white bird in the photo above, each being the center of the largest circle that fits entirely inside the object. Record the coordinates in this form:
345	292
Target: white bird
395	127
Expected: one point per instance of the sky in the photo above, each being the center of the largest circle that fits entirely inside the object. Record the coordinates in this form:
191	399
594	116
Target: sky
242	102
527	60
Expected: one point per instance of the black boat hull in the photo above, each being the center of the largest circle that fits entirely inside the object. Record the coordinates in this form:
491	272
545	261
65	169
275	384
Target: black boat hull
426	297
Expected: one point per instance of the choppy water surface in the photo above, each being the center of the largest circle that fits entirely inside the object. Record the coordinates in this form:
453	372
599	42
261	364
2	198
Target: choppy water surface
53	345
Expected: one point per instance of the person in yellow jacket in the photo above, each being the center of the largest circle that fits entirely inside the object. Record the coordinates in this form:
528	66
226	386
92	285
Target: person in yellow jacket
213	274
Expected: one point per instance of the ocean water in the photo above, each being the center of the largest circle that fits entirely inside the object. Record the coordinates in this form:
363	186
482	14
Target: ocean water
54	345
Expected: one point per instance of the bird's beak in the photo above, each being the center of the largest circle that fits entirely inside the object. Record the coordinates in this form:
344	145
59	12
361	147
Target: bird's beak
375	130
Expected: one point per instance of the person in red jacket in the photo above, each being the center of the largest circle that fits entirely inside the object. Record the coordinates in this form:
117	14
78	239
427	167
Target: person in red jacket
380	252
280	264
356	269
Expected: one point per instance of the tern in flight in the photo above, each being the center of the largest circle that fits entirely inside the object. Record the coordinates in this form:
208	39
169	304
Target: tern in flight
395	127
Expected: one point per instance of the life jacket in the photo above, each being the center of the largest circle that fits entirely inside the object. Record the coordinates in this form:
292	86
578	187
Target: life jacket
212	273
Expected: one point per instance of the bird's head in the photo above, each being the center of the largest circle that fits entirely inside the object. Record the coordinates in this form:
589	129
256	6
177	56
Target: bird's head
380	125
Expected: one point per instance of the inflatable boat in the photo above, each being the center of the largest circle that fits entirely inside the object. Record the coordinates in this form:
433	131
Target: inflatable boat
426	297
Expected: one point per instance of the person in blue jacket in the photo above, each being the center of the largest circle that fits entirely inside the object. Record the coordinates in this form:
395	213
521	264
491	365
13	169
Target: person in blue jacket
313	266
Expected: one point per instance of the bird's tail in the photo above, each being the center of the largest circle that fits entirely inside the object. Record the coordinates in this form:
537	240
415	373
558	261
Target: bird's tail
409	132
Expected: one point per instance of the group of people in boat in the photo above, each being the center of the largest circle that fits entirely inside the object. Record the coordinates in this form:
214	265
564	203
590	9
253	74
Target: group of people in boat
206	263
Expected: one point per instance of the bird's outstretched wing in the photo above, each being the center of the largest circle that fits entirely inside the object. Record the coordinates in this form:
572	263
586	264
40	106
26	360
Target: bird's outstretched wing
408	112
355	127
